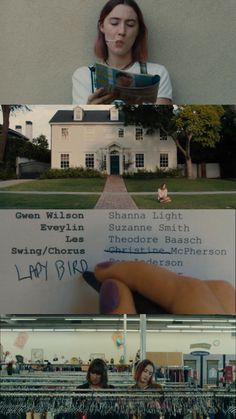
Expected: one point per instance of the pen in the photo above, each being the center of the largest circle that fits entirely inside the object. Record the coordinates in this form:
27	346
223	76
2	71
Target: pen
142	304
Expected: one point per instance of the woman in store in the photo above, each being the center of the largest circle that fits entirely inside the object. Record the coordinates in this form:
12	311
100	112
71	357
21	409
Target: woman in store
121	43
97	379
143	375
96	376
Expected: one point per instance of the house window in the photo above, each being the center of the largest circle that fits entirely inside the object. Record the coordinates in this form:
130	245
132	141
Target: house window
121	133
163	135
105	162
65	133
139	134
65	161
139	160
89	160
164	160
123	162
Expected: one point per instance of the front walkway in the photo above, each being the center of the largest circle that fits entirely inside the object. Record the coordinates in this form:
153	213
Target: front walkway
115	195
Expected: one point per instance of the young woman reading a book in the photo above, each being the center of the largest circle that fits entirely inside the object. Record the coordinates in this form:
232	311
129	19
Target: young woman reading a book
121	44
162	194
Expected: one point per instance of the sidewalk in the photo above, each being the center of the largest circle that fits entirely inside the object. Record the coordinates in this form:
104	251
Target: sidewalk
6	183
118	200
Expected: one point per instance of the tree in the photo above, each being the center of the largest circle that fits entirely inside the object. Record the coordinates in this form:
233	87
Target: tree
185	124
6	111
41	142
227	146
19	147
196	123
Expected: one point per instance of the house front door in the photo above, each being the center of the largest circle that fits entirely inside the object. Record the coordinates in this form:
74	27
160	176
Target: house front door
115	165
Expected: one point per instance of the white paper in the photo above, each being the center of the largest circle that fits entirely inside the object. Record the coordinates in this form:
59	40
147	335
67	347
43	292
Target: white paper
44	252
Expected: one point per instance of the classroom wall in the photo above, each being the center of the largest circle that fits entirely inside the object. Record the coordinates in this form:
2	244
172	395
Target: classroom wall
42	43
83	344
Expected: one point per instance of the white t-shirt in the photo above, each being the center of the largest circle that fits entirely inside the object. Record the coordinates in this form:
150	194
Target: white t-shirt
82	85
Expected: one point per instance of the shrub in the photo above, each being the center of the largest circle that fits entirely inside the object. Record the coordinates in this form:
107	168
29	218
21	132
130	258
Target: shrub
72	172
158	174
7	171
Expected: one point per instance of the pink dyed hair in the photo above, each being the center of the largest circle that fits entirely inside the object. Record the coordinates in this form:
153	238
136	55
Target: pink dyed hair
140	367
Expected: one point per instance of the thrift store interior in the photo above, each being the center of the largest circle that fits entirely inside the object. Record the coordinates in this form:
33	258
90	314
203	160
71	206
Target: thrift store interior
45	361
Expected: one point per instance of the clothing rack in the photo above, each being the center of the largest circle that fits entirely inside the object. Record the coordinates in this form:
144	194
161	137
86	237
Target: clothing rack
116	401
38	383
59	376
44	380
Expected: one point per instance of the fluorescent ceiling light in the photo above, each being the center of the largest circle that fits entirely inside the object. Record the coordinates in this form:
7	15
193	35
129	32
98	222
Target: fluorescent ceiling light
107	318
232	320
115	330
43	330
22	330
120	319
106	330
159	320
187	320
6	330
68	319
64	330
177	326
85	330
200	326
215	321
227	327
30	319
133	319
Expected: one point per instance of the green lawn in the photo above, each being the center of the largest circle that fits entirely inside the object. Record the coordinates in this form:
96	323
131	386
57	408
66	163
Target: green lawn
187	202
37	201
30	201
61	185
180	185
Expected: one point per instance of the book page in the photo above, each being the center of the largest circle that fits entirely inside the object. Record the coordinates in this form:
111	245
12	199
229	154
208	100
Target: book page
44	252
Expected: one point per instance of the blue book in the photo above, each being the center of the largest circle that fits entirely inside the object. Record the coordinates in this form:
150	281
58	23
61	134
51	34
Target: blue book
129	87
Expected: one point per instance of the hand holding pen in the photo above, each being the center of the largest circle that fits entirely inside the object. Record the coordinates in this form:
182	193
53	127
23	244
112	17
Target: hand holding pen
139	287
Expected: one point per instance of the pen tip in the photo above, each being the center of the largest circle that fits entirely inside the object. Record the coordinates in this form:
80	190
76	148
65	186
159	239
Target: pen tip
91	280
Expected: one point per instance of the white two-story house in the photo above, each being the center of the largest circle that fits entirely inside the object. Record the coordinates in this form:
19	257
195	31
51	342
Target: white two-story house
96	137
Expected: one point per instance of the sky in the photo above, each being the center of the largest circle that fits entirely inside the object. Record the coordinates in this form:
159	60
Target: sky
39	115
